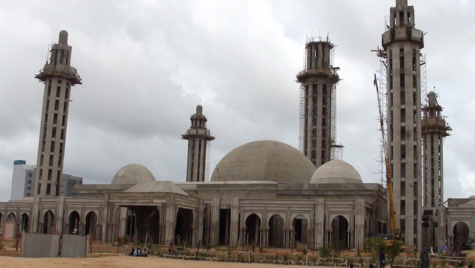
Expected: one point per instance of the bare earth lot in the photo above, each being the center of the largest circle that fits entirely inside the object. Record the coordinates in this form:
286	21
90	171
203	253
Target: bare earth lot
122	261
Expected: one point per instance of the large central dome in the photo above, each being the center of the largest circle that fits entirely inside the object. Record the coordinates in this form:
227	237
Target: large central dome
264	161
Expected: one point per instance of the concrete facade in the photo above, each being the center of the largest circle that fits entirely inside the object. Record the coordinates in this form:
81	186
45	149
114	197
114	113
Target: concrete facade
318	81
22	180
230	213
402	43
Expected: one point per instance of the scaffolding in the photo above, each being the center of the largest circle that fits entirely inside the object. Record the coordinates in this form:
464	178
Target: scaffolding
208	153
301	118
423	69
380	81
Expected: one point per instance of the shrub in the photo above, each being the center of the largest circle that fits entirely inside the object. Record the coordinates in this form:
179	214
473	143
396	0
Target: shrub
325	252
123	240
252	246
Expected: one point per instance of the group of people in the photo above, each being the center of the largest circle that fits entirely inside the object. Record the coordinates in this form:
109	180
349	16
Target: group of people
137	253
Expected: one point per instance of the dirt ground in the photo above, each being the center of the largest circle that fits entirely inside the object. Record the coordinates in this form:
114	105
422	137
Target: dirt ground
122	261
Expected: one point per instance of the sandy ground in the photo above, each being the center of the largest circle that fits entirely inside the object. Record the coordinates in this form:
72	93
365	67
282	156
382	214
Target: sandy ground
122	261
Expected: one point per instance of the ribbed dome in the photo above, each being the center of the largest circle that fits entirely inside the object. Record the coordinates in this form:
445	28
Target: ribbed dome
132	174
336	171
264	161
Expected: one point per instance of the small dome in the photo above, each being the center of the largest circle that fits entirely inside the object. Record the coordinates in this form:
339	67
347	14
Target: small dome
336	171
132	174
264	161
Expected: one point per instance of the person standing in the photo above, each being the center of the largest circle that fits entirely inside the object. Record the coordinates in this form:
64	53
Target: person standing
425	259
382	258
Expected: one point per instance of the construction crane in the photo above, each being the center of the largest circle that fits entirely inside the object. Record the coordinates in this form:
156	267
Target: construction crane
389	183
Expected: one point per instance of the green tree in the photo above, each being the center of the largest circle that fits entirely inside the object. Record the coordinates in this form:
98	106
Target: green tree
394	250
373	245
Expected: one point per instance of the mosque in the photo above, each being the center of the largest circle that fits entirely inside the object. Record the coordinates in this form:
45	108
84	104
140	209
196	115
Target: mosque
263	192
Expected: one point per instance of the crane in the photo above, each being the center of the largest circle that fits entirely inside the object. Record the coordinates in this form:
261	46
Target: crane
389	183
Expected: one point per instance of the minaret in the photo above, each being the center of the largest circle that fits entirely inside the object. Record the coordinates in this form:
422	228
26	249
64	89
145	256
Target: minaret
198	137
434	130
402	43
318	81
58	77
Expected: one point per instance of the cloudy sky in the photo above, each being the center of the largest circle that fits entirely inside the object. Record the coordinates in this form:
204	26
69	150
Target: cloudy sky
146	64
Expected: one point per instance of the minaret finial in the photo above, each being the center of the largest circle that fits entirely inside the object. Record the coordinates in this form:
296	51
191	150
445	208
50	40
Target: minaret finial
63	37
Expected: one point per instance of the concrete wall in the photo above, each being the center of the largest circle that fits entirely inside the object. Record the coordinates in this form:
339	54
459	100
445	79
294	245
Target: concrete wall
39	245
73	246
47	245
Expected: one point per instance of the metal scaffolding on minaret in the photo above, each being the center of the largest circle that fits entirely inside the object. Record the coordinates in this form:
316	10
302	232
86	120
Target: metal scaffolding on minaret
318	102
199	138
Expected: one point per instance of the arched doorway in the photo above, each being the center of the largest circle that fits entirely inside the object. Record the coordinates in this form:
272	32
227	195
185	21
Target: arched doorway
253	229
74	221
11	227
91	221
25	223
184	227
48	222
300	227
339	237
460	232
155	227
276	231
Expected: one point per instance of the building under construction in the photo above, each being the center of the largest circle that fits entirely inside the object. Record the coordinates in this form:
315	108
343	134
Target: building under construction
434	130
317	105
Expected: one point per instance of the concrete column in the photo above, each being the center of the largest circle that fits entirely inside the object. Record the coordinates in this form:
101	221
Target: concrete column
214	235
104	218
170	219
35	215
359	223
234	228
197	231
59	215
441	234
319	223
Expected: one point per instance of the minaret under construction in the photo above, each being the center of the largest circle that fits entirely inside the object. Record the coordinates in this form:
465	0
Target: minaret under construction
318	82
58	77
402	43
198	137
434	130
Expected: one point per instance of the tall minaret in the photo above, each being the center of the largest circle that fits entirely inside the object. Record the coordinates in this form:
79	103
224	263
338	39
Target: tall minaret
402	43
198	137
58	76
434	130
318	81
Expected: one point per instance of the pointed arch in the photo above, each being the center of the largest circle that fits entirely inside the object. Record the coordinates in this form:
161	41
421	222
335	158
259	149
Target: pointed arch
48	222
11	228
25	223
74	220
91	225
253	229
300	228
276	231
339	238
461	232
